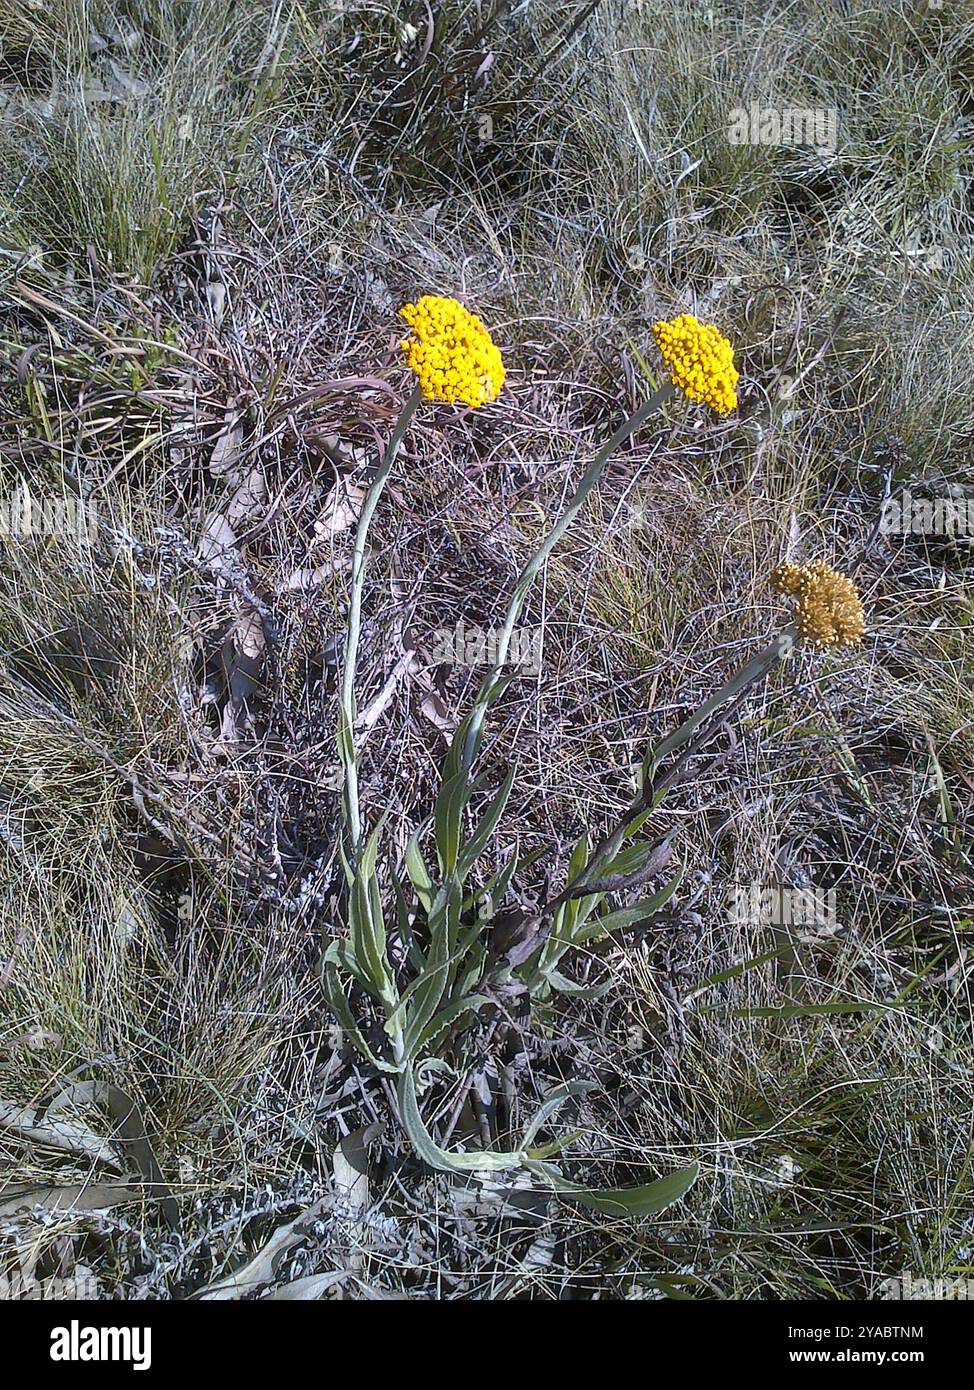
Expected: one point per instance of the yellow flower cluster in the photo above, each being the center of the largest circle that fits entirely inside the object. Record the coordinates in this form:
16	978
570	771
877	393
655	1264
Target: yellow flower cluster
451	352
701	361
828	609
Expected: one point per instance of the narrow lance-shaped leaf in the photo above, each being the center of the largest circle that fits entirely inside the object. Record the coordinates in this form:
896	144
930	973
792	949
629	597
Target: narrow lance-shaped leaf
480	839
632	1202
629	916
450	803
468	1003
419	877
481	1160
429	990
404	925
753	671
342	1010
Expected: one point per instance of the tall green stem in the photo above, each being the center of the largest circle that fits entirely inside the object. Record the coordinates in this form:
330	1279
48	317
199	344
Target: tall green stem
530	571
736	687
346	732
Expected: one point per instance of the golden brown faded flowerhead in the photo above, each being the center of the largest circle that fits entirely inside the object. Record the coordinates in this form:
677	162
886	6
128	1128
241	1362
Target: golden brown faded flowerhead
700	360
828	609
454	357
786	578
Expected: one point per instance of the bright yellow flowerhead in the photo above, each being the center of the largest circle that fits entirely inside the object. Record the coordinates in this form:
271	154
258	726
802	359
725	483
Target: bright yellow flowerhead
701	361
828	609
451	352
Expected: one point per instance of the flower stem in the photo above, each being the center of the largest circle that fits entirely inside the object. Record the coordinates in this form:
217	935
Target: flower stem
530	571
702	724
346	731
